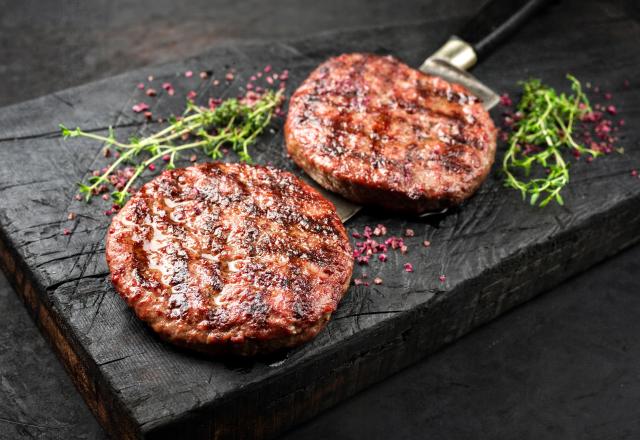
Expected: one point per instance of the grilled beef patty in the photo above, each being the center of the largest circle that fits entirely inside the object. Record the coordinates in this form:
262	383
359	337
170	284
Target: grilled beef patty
230	258
379	132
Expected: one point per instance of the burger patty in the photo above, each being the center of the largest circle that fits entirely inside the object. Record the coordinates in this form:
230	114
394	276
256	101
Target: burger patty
379	132
230	258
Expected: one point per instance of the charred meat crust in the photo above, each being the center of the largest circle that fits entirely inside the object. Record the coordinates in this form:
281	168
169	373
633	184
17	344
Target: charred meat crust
230	258
379	132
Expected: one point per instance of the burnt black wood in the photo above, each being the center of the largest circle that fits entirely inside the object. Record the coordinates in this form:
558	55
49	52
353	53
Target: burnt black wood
496	252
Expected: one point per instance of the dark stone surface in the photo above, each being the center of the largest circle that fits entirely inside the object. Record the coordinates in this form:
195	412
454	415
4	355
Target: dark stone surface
423	416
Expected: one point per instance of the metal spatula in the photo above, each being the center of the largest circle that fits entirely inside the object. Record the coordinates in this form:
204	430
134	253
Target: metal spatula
496	21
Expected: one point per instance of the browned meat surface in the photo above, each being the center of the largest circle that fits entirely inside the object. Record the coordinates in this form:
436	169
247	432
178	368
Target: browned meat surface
379	132
230	258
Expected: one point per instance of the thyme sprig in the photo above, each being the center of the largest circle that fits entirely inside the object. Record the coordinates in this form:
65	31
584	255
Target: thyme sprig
232	123
543	133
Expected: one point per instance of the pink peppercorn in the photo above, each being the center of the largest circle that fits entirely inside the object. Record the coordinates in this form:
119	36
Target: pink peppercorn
152	167
204	75
505	100
140	107
408	267
66	231
382	257
229	76
426	243
188	73
442	278
141	86
380	230
191	95
267	69
377	281
151	92
409	233
166	158
634	173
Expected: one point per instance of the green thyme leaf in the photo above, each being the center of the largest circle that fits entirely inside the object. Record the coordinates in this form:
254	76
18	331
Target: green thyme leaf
232	124
534	163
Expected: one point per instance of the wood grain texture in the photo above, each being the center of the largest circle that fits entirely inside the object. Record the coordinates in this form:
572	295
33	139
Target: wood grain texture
496	252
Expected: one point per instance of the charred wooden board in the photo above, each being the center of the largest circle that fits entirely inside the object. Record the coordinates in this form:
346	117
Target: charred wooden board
496	252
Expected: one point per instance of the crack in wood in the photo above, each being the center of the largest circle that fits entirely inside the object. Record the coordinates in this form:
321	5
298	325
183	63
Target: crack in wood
55	286
31	425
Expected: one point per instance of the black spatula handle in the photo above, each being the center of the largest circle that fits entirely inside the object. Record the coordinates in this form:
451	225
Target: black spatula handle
496	21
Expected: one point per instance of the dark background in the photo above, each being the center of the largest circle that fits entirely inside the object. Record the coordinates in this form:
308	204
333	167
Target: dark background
566	365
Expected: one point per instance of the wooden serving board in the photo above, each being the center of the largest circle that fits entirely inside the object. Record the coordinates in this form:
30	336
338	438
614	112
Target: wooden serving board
496	252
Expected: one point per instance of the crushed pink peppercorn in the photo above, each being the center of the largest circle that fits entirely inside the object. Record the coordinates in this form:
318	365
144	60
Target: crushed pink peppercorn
380	230
140	107
168	87
505	100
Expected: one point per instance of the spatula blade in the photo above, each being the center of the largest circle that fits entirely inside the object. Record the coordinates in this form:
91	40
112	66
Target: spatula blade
445	70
